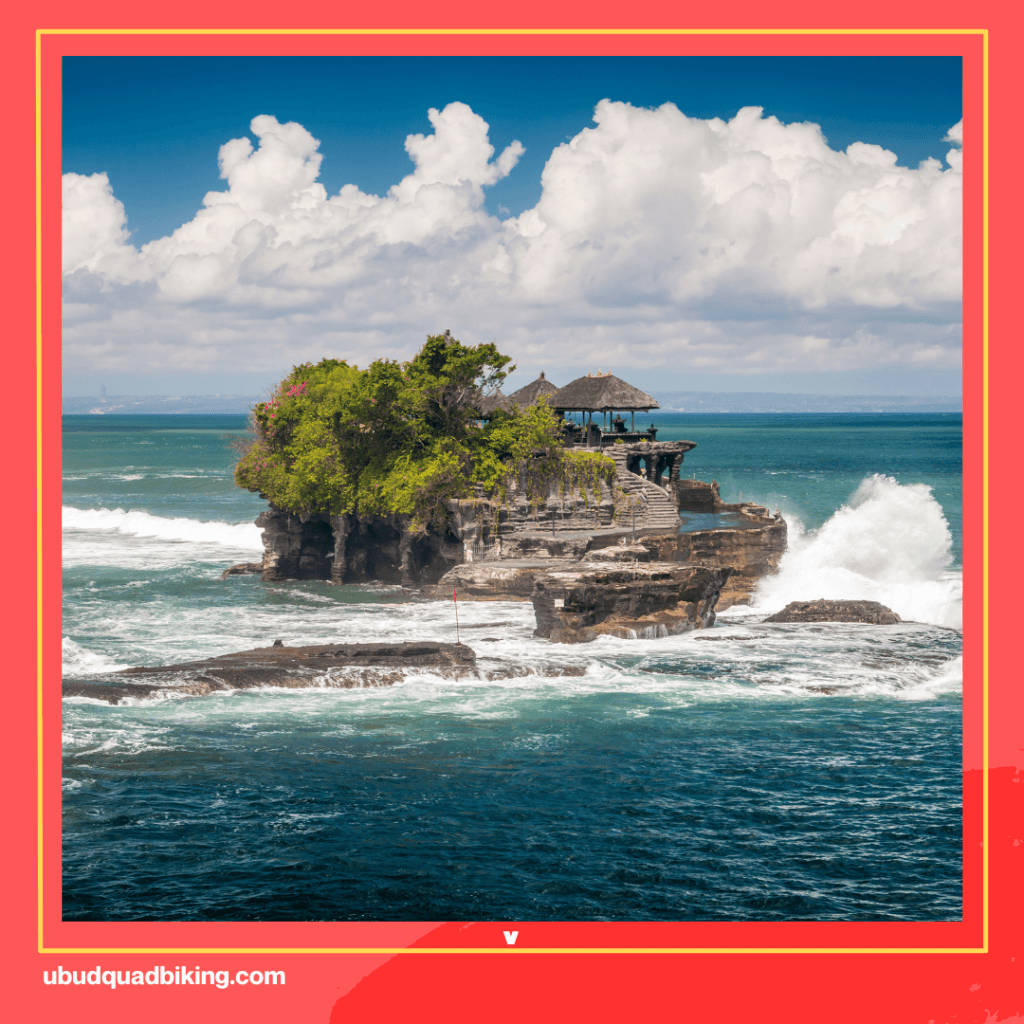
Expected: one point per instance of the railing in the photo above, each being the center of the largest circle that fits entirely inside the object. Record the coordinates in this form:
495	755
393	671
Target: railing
588	439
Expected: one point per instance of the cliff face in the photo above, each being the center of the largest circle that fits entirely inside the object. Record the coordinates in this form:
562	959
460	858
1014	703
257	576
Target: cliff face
752	551
540	516
492	552
349	549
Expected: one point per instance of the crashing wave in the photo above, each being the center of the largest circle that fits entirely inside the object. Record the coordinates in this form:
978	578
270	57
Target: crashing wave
890	543
143	524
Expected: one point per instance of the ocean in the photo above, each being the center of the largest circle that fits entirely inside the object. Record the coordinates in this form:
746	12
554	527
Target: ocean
787	772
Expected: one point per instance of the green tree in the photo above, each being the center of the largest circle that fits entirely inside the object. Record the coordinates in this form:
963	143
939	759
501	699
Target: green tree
396	438
452	378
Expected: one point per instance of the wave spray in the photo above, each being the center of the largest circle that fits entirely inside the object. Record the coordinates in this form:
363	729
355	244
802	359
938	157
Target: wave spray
889	543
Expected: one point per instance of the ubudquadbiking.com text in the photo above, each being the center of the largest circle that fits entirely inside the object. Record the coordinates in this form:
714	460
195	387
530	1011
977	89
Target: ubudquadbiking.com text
162	976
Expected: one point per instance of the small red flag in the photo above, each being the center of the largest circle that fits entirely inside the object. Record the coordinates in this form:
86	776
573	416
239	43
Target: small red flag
454	596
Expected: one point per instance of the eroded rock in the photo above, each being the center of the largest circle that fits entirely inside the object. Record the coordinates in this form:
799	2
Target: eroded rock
505	580
327	665
824	610
643	600
752	550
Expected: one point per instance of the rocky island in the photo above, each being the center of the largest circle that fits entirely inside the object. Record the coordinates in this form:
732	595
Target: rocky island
424	474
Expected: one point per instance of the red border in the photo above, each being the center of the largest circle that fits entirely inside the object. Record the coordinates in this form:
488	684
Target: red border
889	987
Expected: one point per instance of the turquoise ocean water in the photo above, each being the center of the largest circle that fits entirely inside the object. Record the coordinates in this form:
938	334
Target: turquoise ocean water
811	773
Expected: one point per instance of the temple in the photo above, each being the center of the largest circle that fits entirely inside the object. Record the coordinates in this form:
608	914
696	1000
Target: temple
607	397
606	394
490	546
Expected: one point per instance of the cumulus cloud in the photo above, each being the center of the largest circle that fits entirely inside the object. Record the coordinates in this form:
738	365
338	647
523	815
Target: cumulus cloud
94	231
745	244
680	209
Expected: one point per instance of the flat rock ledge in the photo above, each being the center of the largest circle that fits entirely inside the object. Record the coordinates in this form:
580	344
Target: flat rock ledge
510	579
320	665
871	612
639	601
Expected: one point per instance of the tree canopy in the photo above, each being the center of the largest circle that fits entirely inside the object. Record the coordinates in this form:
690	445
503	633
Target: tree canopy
395	438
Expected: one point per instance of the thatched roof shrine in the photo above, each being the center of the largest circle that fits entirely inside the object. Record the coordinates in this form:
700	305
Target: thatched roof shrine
602	392
540	388
489	404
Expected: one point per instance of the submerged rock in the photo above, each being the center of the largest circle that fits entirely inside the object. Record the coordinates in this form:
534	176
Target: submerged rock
630	601
242	569
836	611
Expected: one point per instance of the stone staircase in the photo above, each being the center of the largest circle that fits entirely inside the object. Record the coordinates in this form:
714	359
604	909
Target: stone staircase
656	509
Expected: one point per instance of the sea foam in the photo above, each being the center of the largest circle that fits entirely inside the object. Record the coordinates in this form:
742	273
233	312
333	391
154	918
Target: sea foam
143	524
889	543
80	661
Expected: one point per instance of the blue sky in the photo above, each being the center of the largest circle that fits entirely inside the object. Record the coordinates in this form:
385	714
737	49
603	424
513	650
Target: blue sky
154	123
154	127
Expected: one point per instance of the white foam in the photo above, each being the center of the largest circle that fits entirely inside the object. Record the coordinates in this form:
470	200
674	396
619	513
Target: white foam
134	523
890	543
80	661
948	679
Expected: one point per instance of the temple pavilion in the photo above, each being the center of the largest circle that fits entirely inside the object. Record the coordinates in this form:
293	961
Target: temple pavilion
608	395
540	388
600	393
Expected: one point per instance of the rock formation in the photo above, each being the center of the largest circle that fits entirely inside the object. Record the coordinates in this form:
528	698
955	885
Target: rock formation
752	548
489	550
643	600
498	547
541	514
696	496
836	611
243	569
509	579
327	665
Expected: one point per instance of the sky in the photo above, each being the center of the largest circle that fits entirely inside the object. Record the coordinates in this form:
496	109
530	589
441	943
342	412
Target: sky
729	224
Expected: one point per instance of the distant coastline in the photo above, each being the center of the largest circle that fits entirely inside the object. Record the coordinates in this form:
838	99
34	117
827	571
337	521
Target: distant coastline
693	402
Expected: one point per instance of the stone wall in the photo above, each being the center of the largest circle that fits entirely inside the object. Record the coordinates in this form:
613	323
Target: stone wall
696	496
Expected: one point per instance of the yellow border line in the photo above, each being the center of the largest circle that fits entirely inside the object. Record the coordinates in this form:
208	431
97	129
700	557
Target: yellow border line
514	31
502	949
39	473
984	495
984	33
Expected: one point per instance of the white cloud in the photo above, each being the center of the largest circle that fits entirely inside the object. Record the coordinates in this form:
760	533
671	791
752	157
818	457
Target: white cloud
678	209
746	245
94	232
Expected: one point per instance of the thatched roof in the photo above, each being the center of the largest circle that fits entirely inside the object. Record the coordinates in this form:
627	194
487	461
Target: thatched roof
541	387
602	392
488	405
